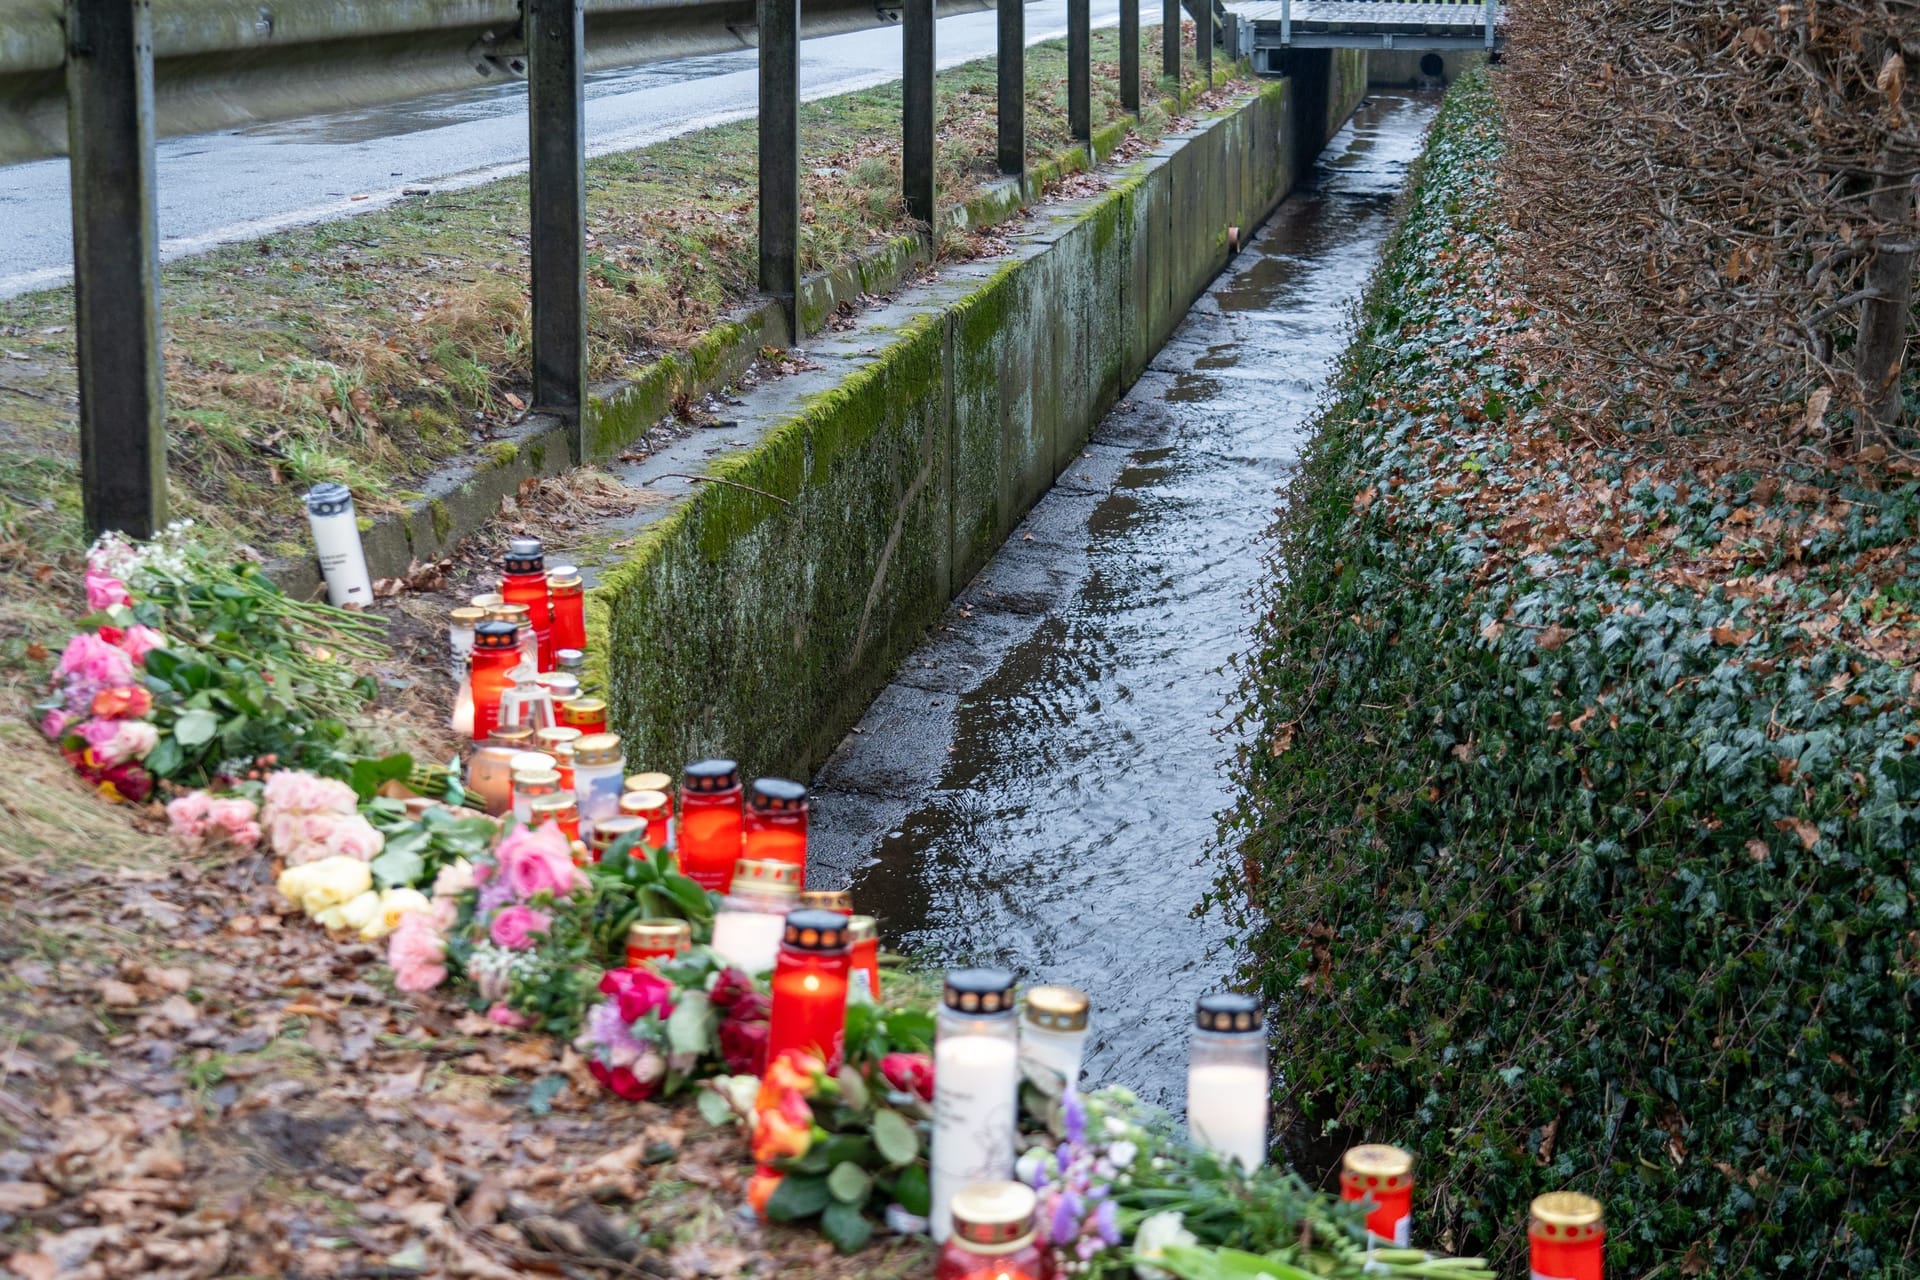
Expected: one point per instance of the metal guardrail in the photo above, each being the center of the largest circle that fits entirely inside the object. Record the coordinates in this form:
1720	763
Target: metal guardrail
104	78
221	63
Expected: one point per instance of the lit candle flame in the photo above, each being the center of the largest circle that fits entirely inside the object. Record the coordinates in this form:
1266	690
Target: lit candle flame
812	983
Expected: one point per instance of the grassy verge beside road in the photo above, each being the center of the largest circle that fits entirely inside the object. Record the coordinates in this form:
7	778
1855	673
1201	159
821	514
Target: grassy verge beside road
375	348
1575	840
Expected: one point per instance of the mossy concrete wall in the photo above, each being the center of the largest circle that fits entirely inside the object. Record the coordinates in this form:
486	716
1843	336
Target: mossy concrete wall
756	614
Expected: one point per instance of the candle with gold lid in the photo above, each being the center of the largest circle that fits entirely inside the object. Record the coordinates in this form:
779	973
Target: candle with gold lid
1053	1037
521	620
776	821
530	785
1384	1175
993	1235
609	831
652	806
840	900
588	715
652	781
557	741
460	625
1566	1237
658	939
598	766
559	808
863	932
487	600
752	917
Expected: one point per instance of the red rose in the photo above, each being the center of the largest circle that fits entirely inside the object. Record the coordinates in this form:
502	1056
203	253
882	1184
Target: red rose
729	988
629	1086
909	1073
743	1044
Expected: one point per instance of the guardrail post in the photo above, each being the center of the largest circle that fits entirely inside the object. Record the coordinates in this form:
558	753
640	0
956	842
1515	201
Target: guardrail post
1170	41
116	303
1130	55
1490	6
779	22
1010	64
1080	73
1203	40
557	172
1286	23
917	108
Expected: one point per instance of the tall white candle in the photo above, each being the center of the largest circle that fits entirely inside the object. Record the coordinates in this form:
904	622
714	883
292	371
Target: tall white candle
748	940
976	1086
336	540
1227	1111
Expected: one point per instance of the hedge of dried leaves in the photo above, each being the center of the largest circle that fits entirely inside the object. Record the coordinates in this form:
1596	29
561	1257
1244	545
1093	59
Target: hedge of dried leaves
1580	797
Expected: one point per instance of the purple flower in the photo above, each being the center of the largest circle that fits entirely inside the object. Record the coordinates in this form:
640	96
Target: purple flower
1075	1112
1065	1224
1106	1221
609	1031
494	894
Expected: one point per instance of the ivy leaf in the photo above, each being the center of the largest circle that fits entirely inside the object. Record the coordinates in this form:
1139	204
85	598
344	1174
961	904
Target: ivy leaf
894	1135
849	1183
798	1197
845	1226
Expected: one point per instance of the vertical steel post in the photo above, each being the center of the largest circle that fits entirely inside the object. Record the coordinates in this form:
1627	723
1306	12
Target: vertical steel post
116	304
1130	55
1080	72
779	22
1010	60
1170	41
917	107
557	173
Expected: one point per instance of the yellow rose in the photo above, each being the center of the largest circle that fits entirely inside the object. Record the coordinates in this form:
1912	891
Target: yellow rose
295	881
333	882
394	903
331	918
357	913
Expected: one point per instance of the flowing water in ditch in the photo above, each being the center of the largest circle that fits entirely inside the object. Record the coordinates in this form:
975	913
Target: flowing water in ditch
1036	787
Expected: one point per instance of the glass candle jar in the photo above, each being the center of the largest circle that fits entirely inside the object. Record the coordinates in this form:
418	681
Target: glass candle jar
564	588
840	900
810	988
598	767
1383	1175
751	921
710	822
516	615
528	701
611	831
588	715
657	940
487	600
1227	1079
460	625
490	777
1566	1237
652	781
523	581
461	721
495	654
336	541
558	742
976	1087
993	1236
652	807
517	736
864	931
776	821
561	809
1053	1038
529	785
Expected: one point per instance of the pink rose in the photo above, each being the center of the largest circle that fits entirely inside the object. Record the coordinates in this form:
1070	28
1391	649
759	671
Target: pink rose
90	661
117	741
507	1017
417	953
354	837
537	860
233	817
296	791
909	1073
514	927
104	591
130	703
140	641
454	879
639	992
55	724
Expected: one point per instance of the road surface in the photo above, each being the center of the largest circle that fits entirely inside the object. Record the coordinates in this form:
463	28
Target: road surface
219	188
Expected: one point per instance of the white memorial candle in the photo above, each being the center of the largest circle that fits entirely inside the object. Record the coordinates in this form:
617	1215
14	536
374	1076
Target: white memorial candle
748	940
1227	1111
976	1088
336	540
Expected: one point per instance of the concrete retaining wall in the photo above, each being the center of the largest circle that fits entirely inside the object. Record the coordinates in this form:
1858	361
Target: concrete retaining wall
757	615
1407	68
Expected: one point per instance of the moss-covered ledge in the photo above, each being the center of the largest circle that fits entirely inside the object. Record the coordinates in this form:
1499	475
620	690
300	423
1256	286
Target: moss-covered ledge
757	611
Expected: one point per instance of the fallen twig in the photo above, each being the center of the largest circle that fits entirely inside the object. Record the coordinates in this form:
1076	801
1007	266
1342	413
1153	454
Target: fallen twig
681	475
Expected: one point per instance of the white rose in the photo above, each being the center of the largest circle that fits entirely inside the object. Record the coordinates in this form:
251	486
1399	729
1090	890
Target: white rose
1151	1238
1122	1154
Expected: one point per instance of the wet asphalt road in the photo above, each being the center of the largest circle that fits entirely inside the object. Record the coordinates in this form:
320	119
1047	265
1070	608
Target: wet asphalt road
219	188
1037	787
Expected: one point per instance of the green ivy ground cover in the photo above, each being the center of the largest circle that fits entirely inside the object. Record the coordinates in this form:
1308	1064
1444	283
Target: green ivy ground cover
1574	847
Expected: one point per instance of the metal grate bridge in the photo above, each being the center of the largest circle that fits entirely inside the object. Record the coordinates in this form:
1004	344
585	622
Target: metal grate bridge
1269	27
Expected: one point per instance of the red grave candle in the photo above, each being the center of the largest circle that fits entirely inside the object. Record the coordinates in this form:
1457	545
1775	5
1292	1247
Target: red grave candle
776	822
656	940
810	988
588	715
992	1235
1383	1175
560	809
710	822
524	581
865	934
652	782
1566	1239
567	593
495	653
652	806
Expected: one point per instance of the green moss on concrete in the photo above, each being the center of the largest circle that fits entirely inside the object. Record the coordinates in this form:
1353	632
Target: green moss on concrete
442	520
500	453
